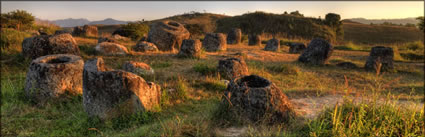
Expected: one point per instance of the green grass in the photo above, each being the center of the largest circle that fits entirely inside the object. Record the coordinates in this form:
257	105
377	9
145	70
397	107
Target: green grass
353	47
368	119
11	38
205	69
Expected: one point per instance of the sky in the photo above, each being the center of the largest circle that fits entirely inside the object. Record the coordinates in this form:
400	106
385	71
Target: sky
150	10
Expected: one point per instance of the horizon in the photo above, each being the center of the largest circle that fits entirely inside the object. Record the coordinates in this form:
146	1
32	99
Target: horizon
95	11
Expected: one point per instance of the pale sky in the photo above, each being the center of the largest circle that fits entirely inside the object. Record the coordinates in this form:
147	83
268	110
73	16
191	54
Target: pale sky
149	10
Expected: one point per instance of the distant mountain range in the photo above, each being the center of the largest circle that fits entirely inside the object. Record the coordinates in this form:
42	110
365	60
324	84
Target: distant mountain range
380	21
70	22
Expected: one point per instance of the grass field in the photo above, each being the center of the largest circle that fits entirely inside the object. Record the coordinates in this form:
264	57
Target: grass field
329	101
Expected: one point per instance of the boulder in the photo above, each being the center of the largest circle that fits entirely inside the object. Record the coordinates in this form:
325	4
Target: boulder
167	35
231	68
347	65
254	40
296	48
138	68
106	39
109	48
86	30
143	46
57	32
234	36
214	42
190	48
42	45
317	52
111	93
382	56
272	45
257	99
54	75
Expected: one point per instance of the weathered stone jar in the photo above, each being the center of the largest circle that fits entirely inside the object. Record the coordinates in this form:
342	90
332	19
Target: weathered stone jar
272	45
167	35
231	68
295	48
54	75
234	36
254	40
214	42
138	68
42	45
317	53
109	48
380	56
257	99
190	48
110	93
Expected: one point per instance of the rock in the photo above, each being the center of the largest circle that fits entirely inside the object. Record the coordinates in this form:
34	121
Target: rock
86	30
167	35
347	65
111	93
106	39
214	42
42	45
272	45
144	46
119	37
380	55
296	48
57	32
234	36
109	48
317	52
190	48
231	68
138	68
254	40
54	75
258	100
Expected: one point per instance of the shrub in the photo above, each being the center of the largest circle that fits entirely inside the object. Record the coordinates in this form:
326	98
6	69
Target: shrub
133	30
181	88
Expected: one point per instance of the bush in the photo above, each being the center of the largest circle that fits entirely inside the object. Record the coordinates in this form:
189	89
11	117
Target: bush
11	37
133	30
18	19
418	45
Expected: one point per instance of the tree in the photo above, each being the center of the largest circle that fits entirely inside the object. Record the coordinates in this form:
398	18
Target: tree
421	22
18	19
296	13
334	21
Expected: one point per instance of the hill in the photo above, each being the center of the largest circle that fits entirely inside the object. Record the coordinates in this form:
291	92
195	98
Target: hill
380	34
70	22
380	21
108	21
